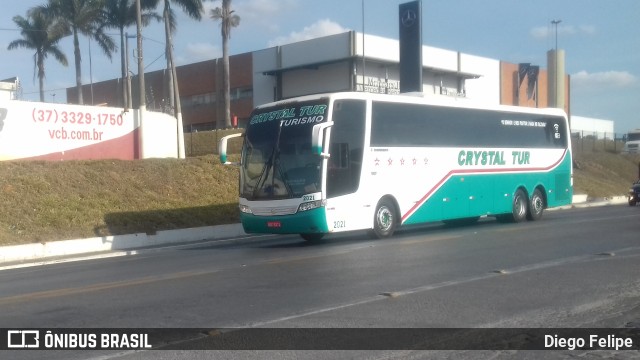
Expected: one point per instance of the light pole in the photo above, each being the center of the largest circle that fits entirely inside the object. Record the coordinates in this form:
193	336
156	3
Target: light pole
91	72
557	81
555	23
364	57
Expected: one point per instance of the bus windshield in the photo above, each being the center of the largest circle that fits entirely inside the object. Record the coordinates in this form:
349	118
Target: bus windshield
277	159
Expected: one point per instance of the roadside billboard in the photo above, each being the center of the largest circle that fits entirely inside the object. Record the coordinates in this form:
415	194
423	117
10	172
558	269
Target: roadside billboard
46	131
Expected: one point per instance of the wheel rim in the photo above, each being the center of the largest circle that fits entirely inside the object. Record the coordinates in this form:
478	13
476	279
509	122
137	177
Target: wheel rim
520	209
384	218
537	204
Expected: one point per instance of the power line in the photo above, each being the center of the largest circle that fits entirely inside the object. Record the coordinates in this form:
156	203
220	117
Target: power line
21	30
156	41
110	34
44	90
158	58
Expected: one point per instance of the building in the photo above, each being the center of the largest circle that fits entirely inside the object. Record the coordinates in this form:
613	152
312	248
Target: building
589	127
9	88
200	90
348	61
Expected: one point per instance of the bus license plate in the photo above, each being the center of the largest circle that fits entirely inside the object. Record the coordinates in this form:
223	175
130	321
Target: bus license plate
274	224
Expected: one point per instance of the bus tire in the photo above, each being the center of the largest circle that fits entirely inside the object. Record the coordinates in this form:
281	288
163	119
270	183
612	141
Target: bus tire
311	237
518	209
519	206
536	206
385	219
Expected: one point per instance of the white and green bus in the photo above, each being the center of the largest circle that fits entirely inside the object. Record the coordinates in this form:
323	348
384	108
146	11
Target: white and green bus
348	161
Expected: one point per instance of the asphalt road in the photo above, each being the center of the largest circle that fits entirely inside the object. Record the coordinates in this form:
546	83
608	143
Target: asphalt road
574	268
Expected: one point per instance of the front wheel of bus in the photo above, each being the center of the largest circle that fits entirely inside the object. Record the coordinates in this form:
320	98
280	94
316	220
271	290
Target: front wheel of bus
384	219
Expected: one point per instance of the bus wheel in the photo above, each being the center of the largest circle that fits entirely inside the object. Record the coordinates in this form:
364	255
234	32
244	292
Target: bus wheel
312	236
536	206
384	219
519	210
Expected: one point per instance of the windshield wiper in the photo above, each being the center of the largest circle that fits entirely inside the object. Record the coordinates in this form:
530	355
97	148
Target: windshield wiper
257	187
284	180
271	165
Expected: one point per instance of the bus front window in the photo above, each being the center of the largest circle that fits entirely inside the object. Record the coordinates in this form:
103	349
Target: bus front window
277	161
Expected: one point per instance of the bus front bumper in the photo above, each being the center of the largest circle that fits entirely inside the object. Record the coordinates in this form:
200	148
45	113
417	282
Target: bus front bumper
305	222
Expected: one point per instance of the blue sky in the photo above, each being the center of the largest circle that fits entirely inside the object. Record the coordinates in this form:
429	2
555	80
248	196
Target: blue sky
601	39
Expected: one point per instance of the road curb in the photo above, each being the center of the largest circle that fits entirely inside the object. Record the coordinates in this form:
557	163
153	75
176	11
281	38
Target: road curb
53	249
69	248
613	200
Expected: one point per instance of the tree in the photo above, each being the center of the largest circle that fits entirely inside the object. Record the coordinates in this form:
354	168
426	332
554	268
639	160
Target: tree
194	9
228	19
120	14
39	34
76	17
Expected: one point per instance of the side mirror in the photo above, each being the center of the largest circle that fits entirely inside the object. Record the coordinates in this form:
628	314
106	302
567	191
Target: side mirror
317	138
222	148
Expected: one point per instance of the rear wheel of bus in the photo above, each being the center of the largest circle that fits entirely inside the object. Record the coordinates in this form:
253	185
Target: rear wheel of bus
536	205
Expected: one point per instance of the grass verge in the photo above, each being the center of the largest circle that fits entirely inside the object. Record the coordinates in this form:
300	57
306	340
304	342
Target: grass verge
603	174
45	201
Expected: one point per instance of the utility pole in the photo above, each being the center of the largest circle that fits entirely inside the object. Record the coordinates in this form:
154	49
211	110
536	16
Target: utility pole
176	93
143	103
129	102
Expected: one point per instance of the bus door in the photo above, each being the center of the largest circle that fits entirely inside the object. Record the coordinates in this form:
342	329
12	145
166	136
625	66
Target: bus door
345	205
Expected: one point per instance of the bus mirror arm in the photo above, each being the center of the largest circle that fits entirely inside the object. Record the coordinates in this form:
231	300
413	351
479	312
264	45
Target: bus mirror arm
222	148
317	138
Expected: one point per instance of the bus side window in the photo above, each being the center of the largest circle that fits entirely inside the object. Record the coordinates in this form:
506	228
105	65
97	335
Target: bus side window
339	156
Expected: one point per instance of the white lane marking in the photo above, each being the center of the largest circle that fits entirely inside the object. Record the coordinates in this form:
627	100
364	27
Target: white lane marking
425	288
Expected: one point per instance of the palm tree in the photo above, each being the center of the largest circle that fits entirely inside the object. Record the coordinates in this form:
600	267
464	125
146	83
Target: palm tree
120	14
80	17
227	20
194	9
39	34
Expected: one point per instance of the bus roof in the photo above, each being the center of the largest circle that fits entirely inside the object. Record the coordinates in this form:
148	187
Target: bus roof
420	98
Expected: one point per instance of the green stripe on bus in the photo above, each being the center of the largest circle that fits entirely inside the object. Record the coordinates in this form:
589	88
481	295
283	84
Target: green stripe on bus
469	195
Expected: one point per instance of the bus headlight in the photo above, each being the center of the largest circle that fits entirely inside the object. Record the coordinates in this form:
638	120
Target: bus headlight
311	205
245	209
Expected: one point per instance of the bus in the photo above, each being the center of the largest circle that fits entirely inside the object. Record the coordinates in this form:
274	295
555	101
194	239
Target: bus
632	143
329	163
